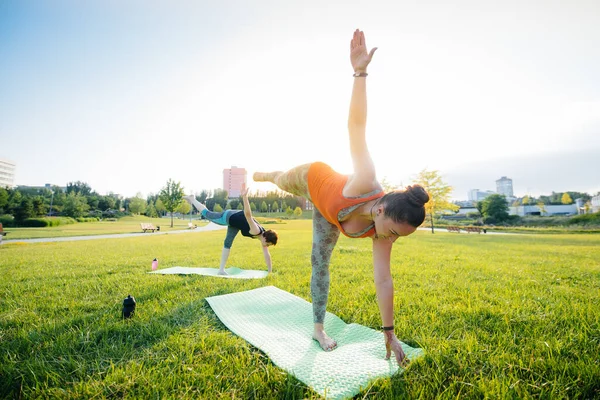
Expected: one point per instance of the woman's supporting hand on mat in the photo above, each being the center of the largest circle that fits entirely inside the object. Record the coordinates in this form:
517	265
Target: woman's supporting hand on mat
392	344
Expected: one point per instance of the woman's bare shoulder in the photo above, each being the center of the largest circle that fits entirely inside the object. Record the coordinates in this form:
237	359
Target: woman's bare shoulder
357	186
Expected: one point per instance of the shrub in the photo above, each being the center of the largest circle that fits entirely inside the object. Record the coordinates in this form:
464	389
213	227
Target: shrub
87	219
47	221
586	219
7	220
35	223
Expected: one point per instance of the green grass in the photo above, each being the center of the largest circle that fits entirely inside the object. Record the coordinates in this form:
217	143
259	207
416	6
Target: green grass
122	225
499	316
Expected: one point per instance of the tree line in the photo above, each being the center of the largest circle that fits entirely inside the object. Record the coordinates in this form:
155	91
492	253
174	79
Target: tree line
78	200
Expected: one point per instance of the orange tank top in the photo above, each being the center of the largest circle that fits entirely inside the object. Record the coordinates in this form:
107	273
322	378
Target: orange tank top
325	187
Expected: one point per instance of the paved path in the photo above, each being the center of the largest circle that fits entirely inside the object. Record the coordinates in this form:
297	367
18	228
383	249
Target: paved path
209	227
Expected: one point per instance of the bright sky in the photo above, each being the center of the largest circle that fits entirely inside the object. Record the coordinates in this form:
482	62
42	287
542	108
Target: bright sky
124	95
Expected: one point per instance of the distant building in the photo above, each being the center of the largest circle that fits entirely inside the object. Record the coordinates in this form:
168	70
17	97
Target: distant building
234	179
7	173
547	210
595	203
504	186
475	195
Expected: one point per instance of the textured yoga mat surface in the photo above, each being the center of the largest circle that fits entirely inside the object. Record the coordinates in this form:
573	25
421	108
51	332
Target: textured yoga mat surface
233	272
280	324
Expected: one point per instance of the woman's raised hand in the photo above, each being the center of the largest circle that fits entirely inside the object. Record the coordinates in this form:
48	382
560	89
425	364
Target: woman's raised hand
358	52
245	191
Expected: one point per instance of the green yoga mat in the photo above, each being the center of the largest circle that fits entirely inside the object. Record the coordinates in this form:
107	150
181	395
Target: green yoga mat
234	273
281	324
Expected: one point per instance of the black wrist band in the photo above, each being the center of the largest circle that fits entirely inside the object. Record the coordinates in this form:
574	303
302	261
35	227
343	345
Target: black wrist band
388	328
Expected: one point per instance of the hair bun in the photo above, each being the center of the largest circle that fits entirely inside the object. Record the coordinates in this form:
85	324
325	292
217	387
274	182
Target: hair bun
417	196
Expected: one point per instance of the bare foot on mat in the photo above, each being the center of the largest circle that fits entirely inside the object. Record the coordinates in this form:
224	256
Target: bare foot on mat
325	341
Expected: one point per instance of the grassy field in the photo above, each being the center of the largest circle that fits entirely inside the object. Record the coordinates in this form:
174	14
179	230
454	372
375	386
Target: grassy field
122	225
499	316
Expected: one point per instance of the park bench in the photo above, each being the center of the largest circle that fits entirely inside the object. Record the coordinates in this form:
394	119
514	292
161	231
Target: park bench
453	229
473	229
2	233
149	227
192	226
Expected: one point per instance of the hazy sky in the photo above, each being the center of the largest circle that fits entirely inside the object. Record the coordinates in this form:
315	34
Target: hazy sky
124	95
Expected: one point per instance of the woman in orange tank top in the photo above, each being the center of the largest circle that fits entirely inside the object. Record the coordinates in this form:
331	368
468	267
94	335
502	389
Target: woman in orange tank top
356	206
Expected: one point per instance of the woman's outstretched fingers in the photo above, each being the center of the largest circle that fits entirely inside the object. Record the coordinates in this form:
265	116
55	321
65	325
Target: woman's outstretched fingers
388	350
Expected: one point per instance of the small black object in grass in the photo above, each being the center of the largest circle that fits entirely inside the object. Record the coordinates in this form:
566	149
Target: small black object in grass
128	306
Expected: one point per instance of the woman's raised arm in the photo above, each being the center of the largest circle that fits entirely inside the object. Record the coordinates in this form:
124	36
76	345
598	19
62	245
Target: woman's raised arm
364	169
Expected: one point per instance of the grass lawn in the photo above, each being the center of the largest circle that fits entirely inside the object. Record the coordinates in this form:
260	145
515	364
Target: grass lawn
499	316
122	225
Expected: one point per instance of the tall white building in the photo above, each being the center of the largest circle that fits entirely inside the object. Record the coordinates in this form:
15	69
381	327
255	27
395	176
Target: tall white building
504	186
234	179
7	173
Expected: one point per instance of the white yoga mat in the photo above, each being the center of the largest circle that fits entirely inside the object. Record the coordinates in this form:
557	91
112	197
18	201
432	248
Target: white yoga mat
281	324
233	272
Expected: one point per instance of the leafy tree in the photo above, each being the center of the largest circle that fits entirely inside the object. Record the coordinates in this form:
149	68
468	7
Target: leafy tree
137	205
160	207
284	205
39	208
3	200
79	188
218	208
240	206
566	199
263	206
579	195
204	194
387	186
14	201
234	204
151	211
24	210
184	207
542	206
275	206
298	212
93	201
252	206
171	196
228	206
439	193
107	203
495	206
289	211
75	205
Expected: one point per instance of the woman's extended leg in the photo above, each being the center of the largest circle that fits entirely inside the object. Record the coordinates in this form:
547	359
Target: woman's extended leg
325	236
294	181
219	218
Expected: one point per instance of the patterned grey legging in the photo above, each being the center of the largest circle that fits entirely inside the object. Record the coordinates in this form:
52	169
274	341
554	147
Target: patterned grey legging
325	236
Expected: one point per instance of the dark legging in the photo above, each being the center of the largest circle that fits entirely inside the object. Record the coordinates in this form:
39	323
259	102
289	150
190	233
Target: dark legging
222	218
